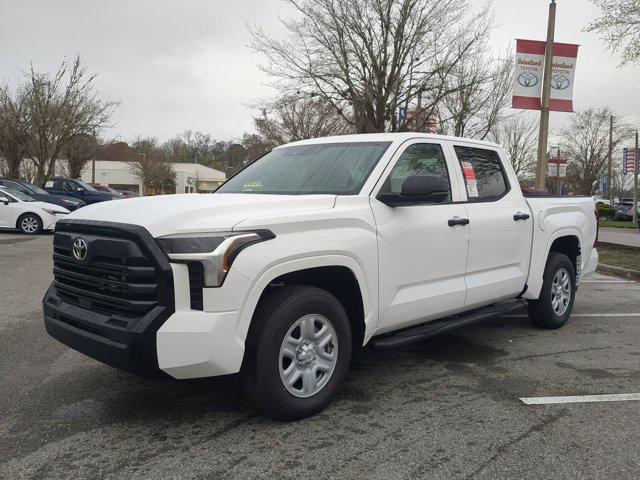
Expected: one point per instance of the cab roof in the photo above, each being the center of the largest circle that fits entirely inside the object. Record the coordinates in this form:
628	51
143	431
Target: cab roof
397	137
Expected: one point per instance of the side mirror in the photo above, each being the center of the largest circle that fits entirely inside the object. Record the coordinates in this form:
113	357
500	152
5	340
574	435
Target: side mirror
418	189
80	190
4	200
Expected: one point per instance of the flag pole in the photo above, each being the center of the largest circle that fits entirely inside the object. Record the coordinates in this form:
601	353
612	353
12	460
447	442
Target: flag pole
541	172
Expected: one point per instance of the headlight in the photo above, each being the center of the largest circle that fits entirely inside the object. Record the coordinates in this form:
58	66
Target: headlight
216	251
53	212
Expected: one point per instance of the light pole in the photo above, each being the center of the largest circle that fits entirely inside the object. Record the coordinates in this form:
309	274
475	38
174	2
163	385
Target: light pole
541	172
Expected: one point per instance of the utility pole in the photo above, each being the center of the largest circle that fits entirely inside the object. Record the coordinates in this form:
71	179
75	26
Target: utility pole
541	173
635	184
609	157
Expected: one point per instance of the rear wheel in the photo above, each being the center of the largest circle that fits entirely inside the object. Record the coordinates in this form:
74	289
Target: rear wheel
29	224
298	352
553	308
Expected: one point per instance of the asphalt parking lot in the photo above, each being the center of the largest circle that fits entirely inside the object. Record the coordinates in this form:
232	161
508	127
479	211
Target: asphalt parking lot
448	407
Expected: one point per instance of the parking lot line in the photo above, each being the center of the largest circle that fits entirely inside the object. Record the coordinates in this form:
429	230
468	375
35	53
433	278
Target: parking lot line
618	397
625	314
607	281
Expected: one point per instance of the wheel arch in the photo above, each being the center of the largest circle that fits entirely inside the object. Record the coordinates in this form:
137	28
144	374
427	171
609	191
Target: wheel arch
19	217
338	274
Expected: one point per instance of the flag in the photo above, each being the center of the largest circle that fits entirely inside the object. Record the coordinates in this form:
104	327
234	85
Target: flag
527	82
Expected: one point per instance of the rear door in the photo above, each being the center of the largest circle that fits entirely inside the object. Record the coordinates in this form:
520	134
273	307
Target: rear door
421	257
500	226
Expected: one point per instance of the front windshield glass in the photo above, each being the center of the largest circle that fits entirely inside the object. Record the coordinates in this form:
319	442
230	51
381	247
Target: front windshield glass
327	168
86	186
17	195
37	189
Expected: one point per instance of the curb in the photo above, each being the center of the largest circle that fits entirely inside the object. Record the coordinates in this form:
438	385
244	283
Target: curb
619	245
625	272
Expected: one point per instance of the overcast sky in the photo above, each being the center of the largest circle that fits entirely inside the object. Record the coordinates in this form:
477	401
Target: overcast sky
185	64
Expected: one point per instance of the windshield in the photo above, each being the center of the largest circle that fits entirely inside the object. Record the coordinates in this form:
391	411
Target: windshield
16	194
328	168
86	186
36	189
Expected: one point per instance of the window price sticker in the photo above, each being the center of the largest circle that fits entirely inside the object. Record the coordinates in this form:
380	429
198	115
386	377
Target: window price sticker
470	178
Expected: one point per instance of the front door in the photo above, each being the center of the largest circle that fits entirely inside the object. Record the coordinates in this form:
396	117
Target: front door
421	257
499	227
6	212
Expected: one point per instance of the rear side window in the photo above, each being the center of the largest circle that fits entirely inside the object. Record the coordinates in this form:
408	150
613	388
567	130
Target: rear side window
483	174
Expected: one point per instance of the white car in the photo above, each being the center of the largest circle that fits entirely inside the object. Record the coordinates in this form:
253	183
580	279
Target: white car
18	210
318	247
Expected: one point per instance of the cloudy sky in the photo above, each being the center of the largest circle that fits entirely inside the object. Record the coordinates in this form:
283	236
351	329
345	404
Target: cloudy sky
185	64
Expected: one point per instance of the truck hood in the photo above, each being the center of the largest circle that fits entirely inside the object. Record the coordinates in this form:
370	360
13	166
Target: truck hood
168	214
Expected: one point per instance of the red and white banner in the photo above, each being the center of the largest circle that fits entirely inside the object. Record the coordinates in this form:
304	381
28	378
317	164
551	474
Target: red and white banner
527	83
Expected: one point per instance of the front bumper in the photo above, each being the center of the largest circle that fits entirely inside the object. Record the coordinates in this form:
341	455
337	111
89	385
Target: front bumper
99	337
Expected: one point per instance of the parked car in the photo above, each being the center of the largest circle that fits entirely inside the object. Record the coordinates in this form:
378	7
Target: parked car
624	211
107	189
22	212
128	194
601	201
318	246
40	194
77	189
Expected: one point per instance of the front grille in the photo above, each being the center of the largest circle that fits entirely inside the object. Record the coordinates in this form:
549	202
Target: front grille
119	276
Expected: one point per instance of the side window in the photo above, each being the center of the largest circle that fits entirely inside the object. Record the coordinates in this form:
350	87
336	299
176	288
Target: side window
418	159
69	186
483	174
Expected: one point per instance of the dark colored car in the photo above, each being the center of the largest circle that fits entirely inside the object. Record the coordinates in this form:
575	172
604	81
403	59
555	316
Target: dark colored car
107	189
41	194
78	189
624	211
128	194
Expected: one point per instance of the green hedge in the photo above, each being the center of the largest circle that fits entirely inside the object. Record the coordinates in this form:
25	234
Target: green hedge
606	211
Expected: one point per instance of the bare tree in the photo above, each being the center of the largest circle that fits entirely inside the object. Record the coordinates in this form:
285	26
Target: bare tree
480	92
77	152
294	117
367	58
61	108
518	135
13	129
619	26
585	141
150	166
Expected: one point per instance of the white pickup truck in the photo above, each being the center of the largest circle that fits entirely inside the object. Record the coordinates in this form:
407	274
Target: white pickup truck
318	247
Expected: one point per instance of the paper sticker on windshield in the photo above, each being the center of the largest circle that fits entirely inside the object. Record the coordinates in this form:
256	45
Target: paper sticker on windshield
49	184
470	178
467	169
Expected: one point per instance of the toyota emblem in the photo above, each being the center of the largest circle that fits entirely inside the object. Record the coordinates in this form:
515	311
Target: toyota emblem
79	249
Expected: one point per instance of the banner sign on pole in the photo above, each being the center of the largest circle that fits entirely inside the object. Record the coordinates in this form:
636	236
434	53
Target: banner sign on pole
629	161
554	164
603	184
527	83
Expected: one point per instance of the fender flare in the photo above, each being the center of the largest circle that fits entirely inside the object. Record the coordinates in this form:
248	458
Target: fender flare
290	266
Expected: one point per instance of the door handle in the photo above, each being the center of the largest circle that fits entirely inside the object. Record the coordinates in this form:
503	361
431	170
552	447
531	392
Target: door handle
458	221
521	216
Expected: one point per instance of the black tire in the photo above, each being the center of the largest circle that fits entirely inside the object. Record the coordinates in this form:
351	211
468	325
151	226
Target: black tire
275	315
541	311
27	222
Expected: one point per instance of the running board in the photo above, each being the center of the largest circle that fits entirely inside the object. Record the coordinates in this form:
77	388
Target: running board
437	327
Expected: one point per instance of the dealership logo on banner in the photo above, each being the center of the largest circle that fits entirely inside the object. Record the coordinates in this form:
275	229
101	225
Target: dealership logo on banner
527	85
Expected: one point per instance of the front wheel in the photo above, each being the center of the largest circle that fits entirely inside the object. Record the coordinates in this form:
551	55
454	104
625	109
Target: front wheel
30	224
553	307
298	352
